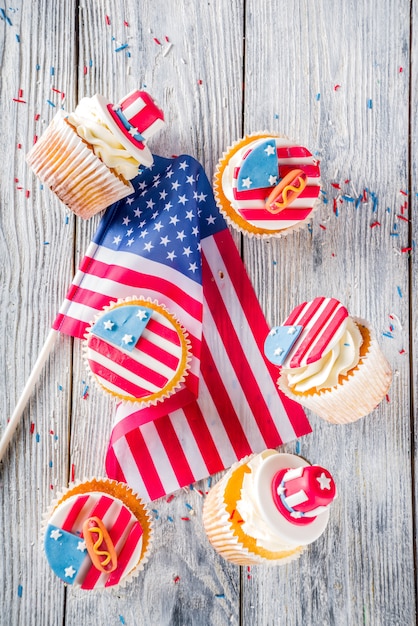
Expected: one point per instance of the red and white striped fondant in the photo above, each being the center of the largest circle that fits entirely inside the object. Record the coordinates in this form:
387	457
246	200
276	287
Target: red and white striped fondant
322	320
250	203
152	369
124	530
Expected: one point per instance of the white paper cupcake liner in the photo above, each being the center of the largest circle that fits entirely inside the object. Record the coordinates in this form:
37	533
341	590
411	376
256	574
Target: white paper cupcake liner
128	491
216	521
358	395
64	162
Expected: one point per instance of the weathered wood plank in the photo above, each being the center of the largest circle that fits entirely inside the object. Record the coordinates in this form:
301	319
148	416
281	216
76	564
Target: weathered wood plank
338	89
36	263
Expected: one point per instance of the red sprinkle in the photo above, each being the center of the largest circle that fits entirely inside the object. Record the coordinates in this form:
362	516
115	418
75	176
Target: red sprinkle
336	185
186	519
322	226
19	100
402	351
401	217
387	398
336	87
32	428
19	146
107	18
27	193
405	249
85	69
176	579
157	41
37	116
170	498
374	224
72	472
403	192
35	138
20	93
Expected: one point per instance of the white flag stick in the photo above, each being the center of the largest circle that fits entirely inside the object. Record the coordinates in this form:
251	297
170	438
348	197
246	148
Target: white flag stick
31	382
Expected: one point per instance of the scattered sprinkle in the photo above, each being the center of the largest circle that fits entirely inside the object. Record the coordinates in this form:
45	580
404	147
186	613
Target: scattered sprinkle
176	579
19	591
209	482
17	38
399	291
50	103
406	249
189	506
170	519
318	97
322	226
401	217
122	47
170	498
370	103
185	519
374	224
386	334
387	398
32	428
298	447
107	18
72	472
219	595
157	41
336	87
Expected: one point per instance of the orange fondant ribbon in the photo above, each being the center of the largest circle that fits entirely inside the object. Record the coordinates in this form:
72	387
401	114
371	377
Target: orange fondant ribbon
99	545
289	188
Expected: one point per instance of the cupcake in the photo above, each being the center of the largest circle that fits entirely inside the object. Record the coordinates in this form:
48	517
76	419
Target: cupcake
97	534
267	508
138	351
329	362
88	157
266	185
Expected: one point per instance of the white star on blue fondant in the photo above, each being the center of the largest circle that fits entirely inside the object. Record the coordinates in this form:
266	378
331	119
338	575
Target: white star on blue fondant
63	552
261	166
279	342
123	325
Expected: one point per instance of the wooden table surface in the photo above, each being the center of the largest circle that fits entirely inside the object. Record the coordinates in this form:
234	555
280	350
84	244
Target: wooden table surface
340	77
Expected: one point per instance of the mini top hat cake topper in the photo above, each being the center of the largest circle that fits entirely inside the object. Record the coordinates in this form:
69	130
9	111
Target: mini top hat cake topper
303	493
134	120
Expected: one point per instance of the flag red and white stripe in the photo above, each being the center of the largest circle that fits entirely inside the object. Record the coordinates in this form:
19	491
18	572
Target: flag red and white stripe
239	409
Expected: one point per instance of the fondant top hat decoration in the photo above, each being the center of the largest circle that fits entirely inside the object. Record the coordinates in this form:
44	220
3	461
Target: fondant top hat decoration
303	493
133	121
294	497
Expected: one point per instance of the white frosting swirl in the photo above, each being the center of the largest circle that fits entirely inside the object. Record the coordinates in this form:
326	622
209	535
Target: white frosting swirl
90	125
255	525
324	373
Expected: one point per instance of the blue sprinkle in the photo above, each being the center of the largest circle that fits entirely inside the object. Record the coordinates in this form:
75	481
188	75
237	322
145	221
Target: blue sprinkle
170	519
394	234
298	447
37	438
20	591
60	387
347	344
50	464
191	487
52	71
318	97
358	201
209	482
50	103
38	67
91	63
310	228
122	619
189	506
399	291
388	210
17	38
370	103
219	595
276	116
122	47
348	198
385	334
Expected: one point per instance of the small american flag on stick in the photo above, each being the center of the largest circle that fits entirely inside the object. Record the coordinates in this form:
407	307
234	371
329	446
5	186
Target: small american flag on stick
168	242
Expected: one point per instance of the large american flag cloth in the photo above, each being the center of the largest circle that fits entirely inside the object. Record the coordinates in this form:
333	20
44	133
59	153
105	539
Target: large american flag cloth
169	242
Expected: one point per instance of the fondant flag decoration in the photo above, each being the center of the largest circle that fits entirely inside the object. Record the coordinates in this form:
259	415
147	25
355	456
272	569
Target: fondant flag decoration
169	242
